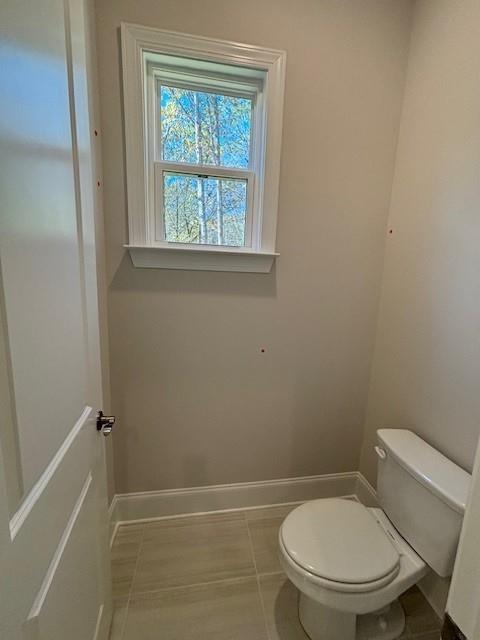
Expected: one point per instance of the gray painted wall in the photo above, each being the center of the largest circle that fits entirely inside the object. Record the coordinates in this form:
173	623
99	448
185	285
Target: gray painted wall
426	368
197	402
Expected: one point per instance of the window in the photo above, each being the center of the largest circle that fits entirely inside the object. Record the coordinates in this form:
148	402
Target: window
202	128
203	172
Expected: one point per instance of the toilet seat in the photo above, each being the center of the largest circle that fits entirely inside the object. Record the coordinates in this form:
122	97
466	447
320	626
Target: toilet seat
341	545
346	588
359	598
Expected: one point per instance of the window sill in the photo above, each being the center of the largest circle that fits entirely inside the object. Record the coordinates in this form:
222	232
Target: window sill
200	258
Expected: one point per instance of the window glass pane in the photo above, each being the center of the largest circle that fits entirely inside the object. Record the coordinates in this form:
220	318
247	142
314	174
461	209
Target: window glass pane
204	210
205	128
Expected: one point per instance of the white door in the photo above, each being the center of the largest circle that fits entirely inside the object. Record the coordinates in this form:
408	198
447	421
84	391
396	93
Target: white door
54	561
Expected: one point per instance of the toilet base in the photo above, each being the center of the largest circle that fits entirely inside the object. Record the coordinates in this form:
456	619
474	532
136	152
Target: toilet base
382	625
323	623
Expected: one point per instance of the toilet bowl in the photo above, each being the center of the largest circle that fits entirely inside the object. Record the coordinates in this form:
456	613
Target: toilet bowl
351	563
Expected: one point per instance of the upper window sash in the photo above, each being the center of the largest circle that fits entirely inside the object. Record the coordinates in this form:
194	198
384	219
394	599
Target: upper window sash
211	83
156	130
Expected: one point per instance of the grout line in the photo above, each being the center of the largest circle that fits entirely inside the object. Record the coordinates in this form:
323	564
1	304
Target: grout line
268	574
260	595
122	631
140	547
194	514
192	585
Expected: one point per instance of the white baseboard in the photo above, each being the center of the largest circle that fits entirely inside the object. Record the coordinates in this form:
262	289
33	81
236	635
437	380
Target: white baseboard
153	505
364	491
112	522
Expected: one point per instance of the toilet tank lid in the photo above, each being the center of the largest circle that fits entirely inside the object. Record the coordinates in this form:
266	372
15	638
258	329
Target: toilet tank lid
431	468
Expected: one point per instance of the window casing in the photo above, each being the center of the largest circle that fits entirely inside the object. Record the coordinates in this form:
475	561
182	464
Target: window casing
157	66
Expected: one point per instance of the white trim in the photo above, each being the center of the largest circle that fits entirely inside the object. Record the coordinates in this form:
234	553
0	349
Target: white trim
99	625
364	491
211	171
36	492
113	532
138	40
153	505
113	526
202	258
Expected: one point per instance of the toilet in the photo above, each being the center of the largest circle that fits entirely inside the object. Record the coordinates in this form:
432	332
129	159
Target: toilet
351	563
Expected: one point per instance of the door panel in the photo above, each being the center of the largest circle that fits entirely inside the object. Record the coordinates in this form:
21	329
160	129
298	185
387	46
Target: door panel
55	570
38	231
8	429
54	558
64	513
54	609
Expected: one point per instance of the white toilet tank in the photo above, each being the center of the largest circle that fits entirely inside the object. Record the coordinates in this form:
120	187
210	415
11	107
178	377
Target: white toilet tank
423	493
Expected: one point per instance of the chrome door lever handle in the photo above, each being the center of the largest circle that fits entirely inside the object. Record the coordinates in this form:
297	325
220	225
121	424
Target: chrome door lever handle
105	423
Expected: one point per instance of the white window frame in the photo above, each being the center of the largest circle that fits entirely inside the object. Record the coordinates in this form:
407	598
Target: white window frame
253	72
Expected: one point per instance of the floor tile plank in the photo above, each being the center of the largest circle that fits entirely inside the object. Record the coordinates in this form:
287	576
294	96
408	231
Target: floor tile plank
186	551
229	610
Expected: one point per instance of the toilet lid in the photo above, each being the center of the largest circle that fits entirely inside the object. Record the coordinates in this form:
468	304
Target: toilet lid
339	540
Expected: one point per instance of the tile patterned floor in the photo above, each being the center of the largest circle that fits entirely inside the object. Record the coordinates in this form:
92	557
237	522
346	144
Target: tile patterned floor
217	577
